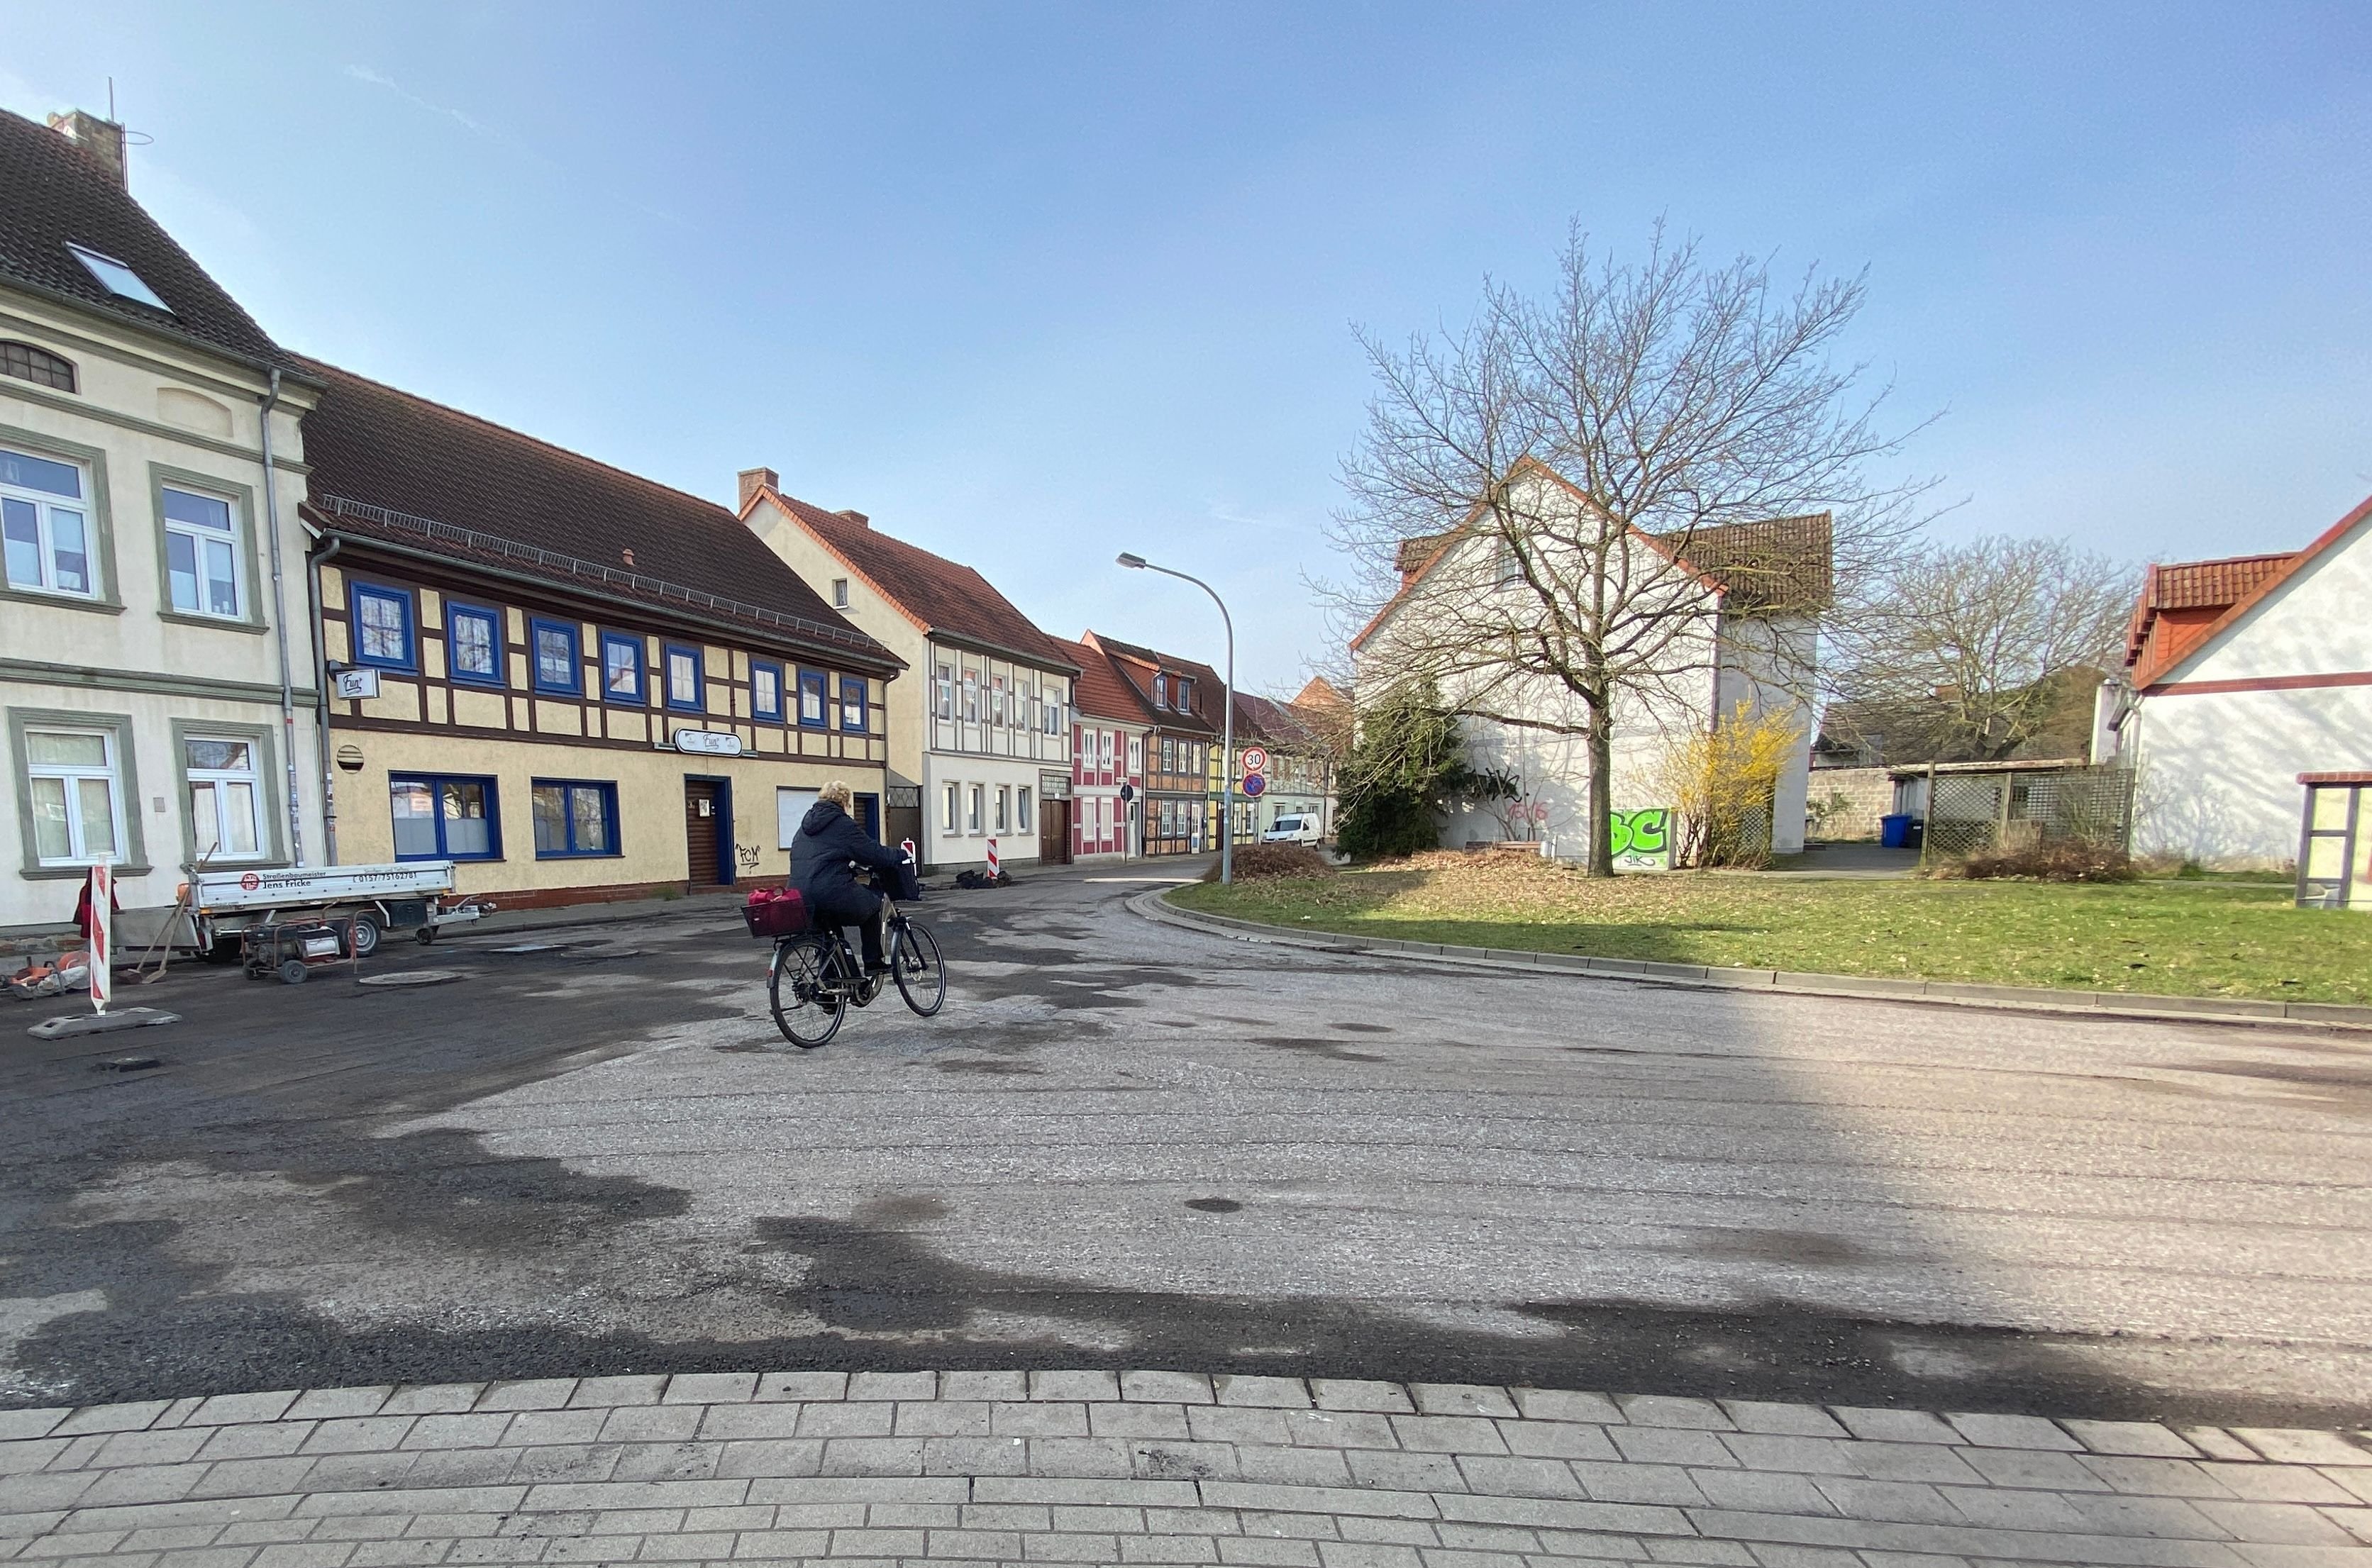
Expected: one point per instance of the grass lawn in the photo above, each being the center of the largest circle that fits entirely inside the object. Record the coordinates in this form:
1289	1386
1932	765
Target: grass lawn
2186	938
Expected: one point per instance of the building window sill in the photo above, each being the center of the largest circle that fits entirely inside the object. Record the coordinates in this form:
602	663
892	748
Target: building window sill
77	873
214	622
62	601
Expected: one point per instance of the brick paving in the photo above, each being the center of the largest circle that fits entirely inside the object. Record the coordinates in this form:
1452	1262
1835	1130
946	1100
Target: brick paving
1149	1467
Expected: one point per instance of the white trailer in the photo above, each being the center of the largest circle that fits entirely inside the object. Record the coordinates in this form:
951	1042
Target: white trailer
413	894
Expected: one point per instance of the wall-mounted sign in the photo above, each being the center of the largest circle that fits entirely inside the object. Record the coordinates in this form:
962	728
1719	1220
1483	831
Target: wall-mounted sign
357	684
708	742
1053	786
1642	839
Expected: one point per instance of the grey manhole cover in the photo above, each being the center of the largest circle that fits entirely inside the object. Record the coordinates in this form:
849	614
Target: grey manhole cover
411	977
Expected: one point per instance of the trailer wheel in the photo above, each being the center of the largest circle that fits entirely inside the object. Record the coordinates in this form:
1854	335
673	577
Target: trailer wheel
424	935
293	972
363	937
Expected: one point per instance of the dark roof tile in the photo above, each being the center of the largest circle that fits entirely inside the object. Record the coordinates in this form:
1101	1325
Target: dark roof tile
372	444
53	191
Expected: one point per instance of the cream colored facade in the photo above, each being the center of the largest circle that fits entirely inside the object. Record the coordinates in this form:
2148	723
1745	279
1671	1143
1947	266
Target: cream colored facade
121	673
981	737
509	740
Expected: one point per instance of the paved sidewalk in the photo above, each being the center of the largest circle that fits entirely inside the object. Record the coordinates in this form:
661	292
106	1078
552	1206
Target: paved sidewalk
1147	1467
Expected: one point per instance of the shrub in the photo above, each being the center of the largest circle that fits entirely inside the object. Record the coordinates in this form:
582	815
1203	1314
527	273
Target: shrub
1258	862
2058	860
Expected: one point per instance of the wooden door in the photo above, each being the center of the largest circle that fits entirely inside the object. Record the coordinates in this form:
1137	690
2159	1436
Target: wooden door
1053	832
701	830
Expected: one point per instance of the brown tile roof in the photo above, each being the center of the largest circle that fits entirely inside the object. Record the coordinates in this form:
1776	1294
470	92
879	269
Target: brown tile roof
531	507
1280	724
1775	563
1138	665
1099	692
53	191
1784	565
941	596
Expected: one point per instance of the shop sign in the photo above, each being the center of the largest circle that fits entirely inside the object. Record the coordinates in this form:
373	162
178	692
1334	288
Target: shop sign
708	742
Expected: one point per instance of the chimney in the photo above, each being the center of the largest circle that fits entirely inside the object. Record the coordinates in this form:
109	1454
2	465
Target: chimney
751	481
102	139
859	518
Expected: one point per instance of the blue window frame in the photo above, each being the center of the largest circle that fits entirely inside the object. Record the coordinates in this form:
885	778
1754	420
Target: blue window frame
686	683
766	689
622	668
380	625
473	644
573	818
853	716
814	704
556	656
445	817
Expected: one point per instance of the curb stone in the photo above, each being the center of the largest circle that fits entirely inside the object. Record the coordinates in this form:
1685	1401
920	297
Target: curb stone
1155	905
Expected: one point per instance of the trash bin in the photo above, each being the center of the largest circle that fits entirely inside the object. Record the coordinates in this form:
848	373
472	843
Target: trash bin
1894	832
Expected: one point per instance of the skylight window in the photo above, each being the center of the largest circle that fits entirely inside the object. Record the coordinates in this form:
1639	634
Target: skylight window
118	279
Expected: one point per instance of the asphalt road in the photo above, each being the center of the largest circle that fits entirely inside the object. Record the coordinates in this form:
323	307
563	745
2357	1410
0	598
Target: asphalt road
1127	1145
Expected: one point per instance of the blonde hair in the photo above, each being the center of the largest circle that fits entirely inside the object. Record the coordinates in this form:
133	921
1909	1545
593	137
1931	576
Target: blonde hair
838	793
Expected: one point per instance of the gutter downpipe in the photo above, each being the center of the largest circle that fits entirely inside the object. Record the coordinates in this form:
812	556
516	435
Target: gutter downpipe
322	700
280	630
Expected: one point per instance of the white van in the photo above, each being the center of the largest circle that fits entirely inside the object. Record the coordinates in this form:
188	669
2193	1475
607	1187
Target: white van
1291	830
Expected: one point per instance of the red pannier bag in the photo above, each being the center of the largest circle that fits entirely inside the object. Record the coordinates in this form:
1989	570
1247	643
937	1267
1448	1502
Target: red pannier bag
775	912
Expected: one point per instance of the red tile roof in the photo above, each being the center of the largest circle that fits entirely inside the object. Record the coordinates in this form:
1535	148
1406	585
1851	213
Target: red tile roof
2186	605
943	596
53	192
1138	665
398	469
1099	692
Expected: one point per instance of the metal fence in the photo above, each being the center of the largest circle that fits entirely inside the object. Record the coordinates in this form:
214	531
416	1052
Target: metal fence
1975	813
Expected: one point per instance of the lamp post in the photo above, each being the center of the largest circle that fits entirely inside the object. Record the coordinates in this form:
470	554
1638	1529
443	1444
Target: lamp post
1227	717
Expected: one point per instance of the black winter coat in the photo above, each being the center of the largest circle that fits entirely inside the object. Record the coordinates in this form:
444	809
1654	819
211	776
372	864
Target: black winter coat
827	847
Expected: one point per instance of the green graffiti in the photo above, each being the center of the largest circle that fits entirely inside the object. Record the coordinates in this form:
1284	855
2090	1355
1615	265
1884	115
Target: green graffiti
1643	833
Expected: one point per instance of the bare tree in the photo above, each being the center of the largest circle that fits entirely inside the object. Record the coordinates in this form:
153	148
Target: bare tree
1572	475
1964	647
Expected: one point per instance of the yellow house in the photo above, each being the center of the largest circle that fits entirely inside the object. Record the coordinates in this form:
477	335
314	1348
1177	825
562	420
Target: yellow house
576	683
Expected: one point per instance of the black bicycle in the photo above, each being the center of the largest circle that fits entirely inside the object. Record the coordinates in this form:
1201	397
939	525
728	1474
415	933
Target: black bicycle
815	978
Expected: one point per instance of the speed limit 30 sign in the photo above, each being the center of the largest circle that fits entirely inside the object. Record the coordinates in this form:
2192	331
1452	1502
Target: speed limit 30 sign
1255	759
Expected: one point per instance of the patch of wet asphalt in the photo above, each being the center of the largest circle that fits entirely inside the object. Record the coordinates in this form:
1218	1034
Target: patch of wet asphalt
314	1097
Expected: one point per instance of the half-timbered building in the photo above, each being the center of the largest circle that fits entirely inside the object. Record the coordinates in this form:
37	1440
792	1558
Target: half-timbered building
576	683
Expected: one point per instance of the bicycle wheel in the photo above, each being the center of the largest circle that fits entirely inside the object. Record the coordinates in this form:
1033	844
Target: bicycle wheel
914	961
799	987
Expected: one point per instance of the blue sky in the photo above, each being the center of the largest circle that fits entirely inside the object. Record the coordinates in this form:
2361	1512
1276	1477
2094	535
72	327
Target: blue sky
1033	284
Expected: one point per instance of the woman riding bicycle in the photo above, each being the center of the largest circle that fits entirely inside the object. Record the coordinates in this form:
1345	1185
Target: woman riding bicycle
825	854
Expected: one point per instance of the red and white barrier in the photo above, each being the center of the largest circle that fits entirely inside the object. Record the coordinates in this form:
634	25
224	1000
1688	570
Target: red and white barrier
995	870
102	937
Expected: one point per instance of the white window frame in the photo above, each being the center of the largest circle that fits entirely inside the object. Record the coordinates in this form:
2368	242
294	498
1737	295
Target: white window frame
1135	757
83	505
975	801
971	696
71	775
840	593
1021	810
947	693
953	803
214	780
1004	808
200	537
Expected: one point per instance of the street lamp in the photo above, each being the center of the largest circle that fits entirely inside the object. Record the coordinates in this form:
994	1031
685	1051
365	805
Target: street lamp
1227	717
